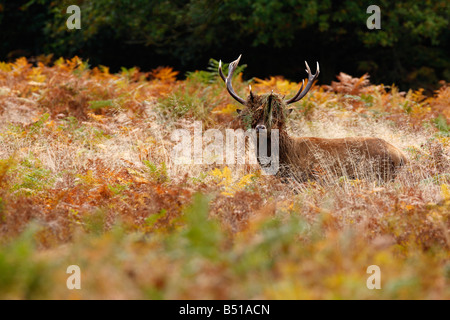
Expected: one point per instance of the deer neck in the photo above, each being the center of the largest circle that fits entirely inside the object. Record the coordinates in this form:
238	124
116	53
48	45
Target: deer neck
285	145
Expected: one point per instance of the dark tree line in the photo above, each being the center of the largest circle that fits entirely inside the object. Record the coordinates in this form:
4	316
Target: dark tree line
275	37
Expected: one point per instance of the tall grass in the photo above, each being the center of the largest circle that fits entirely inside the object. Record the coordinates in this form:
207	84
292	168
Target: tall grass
97	187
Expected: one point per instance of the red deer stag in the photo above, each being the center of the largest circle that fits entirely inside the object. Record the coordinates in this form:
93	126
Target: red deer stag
310	158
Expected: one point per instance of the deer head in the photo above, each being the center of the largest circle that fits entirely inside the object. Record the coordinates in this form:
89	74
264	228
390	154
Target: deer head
266	111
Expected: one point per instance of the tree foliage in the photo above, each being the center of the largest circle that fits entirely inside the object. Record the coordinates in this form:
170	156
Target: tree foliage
410	49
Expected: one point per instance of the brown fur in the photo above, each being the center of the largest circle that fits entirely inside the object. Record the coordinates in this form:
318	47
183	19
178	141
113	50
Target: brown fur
309	158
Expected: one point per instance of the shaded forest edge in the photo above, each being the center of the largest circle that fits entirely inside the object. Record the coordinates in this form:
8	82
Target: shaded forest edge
410	50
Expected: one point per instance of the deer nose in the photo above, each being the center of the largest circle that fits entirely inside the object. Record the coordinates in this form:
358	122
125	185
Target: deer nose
260	127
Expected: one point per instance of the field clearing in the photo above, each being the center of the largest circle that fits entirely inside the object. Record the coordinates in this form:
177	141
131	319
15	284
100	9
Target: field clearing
87	178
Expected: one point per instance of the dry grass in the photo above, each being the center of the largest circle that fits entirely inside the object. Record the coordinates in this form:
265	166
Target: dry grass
87	178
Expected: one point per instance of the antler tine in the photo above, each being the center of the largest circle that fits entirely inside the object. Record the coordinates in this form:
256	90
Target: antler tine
295	98
308	70
220	71
231	69
311	78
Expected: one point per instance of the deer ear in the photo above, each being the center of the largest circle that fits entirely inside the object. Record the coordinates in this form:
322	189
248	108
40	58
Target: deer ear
289	111
238	111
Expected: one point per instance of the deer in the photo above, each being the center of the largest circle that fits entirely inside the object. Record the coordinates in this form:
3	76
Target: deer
305	159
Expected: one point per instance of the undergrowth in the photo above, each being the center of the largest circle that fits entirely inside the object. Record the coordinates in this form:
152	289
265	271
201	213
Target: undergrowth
87	178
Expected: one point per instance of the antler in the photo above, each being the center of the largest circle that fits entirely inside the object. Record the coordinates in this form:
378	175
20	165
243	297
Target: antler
311	77
231	69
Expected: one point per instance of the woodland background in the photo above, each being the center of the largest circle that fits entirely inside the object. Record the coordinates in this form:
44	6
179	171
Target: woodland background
411	49
87	177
